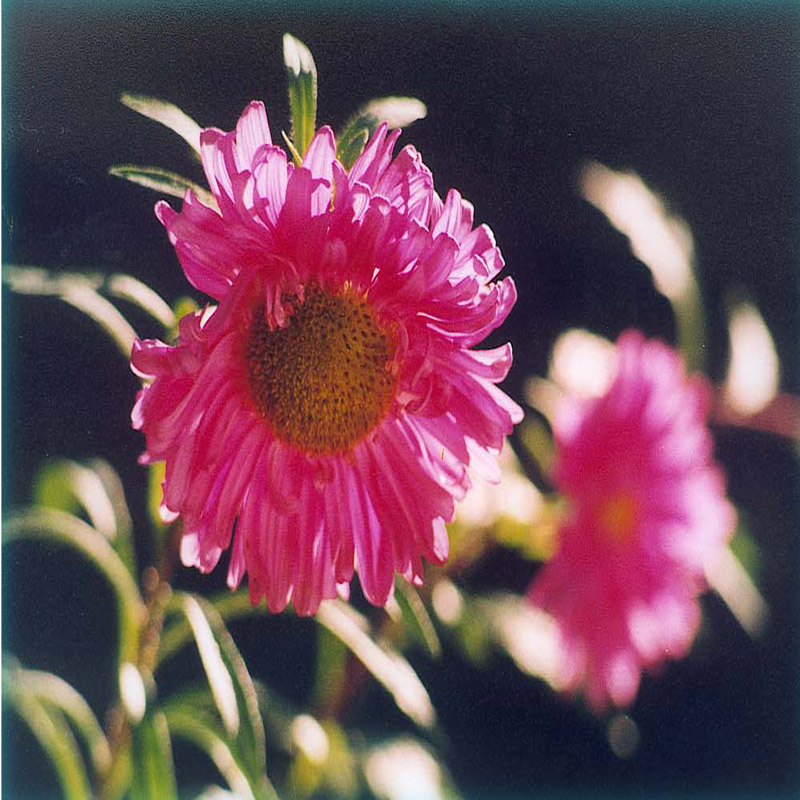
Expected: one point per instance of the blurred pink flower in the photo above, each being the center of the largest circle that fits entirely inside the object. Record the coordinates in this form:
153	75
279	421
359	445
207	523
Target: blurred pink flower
327	408
647	515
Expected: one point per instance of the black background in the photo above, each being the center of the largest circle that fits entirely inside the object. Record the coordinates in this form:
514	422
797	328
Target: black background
702	103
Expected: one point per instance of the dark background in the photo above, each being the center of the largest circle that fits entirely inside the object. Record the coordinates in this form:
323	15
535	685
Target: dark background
701	103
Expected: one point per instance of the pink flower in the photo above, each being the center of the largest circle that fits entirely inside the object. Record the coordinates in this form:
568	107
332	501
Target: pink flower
648	514
321	417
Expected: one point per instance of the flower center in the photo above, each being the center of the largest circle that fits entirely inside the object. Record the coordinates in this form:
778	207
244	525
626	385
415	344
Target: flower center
617	516
324	380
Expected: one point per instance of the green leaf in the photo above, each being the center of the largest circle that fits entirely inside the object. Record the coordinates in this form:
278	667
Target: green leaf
50	729
393	762
388	667
416	616
330	668
57	526
230	683
298	159
153	774
526	633
185	722
95	489
351	146
219	678
167	114
79	291
163	181
302	84
56	694
114	490
396	112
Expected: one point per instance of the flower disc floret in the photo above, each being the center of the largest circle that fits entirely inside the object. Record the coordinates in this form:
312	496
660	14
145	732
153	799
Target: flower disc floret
324	380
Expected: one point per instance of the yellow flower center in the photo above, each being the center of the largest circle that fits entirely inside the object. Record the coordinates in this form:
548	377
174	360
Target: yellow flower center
324	380
617	516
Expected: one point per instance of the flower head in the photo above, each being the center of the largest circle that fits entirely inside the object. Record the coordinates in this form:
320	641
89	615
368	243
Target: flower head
322	415
648	515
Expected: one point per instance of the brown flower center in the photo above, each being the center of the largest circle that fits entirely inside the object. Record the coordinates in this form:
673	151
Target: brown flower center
324	381
618	517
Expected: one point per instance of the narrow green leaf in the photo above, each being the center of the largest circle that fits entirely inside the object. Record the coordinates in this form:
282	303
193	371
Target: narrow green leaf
79	291
302	83
153	774
387	667
50	729
69	486
349	148
416	616
114	490
184	722
135	291
216	793
163	181
396	112
388	765
132	692
229	606
234	694
58	526
219	679
298	159
330	668
55	693
167	114
527	634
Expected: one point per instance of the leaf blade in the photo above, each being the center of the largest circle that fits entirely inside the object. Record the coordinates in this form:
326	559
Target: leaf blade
168	114
248	735
301	74
54	525
153	773
162	180
50	729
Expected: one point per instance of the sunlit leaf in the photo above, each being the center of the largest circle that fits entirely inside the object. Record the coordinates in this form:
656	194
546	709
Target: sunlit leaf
230	682
163	181
731	581
50	728
302	84
753	375
416	616
659	239
351	145
219	679
186	723
396	112
153	773
387	667
115	491
330	668
527	634
57	526
95	489
79	291
294	152
132	692
167	114
403	768
55	693
216	793
324	763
